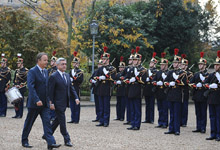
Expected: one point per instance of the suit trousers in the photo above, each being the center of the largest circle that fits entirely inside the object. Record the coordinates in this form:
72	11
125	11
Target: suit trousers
128	109
75	111
149	108
19	112
174	125
136	112
3	104
162	106
30	119
214	115
97	111
120	107
60	119
184	112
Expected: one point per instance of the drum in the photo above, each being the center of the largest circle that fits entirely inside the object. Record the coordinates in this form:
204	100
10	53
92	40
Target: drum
13	95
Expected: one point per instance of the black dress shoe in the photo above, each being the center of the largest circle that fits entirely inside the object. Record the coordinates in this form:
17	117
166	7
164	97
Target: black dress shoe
14	116
169	132
145	121
127	123
183	125
26	145
210	138
196	131
76	122
164	127
70	121
43	137
151	122
136	128
2	115
53	146
202	131
105	124
116	119
217	139
176	133
159	126
69	144
131	128
96	120
121	119
99	125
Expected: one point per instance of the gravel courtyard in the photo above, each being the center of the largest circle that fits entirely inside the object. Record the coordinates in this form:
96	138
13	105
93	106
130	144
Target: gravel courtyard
86	136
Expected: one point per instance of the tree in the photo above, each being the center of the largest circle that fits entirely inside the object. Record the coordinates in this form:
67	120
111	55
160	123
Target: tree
19	33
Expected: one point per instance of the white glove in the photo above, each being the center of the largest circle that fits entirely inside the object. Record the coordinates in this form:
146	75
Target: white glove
217	76
136	72
213	86
71	79
118	82
105	71
73	72
164	76
128	69
199	84
202	78
172	83
147	79
175	76
94	81
159	83
132	80
102	78
150	73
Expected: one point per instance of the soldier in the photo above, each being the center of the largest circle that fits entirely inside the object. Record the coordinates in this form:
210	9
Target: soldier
20	81
175	80
213	85
161	96
5	78
128	102
76	76
50	72
199	99
185	102
120	92
134	79
95	88
147	91
106	76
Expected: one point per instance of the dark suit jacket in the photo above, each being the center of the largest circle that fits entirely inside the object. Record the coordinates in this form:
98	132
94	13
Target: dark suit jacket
38	88
59	91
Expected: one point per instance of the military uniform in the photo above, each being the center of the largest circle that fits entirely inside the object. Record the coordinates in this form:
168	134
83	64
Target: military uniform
76	76
120	93
213	85
50	72
175	80
134	81
198	97
161	96
106	77
5	78
185	102
20	80
149	93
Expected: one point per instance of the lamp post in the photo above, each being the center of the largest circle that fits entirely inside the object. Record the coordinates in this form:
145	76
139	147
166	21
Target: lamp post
94	31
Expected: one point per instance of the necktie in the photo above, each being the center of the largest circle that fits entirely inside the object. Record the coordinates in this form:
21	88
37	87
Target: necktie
43	73
64	78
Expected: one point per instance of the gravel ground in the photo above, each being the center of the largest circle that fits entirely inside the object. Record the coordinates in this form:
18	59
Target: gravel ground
86	136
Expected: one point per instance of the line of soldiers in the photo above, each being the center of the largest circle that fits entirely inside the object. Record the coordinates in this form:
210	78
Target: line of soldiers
20	82
169	86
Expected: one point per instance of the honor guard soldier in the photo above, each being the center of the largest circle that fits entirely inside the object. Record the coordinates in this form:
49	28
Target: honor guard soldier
50	72
161	96
198	97
148	92
5	78
175	80
20	81
76	76
213	85
134	80
128	102
185	102
105	76
120	92
95	88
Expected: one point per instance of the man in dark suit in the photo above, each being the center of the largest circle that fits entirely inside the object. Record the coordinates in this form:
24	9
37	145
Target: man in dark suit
38	102
60	89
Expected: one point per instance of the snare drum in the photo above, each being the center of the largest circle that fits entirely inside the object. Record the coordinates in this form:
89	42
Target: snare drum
13	95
